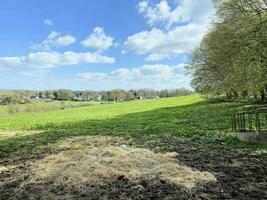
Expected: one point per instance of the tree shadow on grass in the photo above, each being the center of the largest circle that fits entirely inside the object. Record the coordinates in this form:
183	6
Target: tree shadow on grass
200	121
240	175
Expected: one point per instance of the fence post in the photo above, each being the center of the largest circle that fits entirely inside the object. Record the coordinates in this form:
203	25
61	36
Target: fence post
244	121
258	127
250	121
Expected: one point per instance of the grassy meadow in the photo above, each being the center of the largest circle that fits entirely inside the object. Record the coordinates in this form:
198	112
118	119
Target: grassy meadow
71	142
84	115
189	117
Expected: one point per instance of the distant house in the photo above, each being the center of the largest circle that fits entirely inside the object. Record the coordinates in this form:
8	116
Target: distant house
34	98
98	97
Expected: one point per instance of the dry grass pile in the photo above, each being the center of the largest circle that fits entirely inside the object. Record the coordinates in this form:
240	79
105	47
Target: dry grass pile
102	160
87	142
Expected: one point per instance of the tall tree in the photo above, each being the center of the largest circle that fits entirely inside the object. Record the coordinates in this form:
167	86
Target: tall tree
231	58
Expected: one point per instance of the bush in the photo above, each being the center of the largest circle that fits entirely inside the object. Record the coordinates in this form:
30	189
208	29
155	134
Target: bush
10	98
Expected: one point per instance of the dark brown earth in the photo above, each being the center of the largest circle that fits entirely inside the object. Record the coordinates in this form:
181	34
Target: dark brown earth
241	174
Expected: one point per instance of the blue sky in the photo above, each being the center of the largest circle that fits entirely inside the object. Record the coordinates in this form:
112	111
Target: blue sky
99	44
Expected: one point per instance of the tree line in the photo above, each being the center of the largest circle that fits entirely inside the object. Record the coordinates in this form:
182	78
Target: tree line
232	57
26	96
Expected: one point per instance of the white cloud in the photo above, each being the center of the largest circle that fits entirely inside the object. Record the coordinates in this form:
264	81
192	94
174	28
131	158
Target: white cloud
96	76
142	6
48	22
147	76
46	60
156	57
54	39
29	74
158	44
150	76
185	26
98	40
185	11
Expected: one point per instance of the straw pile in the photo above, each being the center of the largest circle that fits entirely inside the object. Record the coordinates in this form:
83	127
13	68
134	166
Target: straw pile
100	159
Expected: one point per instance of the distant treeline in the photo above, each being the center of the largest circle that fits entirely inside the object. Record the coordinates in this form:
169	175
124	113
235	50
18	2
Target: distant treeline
27	96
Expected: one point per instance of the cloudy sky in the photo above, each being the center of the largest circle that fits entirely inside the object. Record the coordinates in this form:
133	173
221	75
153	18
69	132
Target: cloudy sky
99	44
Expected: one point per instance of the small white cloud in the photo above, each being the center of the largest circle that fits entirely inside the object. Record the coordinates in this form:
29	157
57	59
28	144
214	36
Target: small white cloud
96	76
185	11
47	60
54	39
48	22
142	6
65	40
30	74
156	57
98	40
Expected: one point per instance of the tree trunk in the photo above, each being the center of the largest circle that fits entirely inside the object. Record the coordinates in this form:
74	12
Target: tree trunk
265	92
235	94
245	93
262	95
229	95
255	95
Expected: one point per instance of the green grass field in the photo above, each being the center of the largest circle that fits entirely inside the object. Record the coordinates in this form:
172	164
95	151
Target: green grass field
190	117
85	115
187	117
198	130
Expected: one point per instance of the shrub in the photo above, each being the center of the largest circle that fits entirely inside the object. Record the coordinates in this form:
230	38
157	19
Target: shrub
10	98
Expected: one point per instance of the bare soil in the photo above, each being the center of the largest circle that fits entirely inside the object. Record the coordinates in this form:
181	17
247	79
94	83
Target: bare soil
241	174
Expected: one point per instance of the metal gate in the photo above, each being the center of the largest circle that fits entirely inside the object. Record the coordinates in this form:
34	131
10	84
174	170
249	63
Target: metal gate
255	120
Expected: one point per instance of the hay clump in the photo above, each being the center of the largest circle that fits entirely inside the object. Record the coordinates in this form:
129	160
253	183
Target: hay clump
104	161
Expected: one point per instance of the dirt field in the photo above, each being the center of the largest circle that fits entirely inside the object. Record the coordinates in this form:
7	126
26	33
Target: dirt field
239	175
